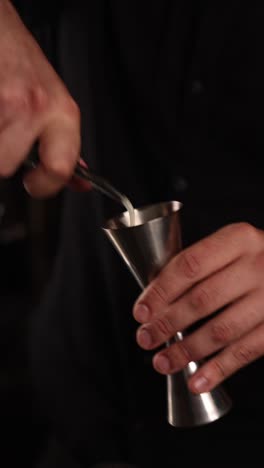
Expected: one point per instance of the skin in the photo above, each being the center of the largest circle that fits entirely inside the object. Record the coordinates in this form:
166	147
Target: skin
224	273
35	107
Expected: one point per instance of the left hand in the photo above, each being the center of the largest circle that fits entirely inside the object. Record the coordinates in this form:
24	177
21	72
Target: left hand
223	272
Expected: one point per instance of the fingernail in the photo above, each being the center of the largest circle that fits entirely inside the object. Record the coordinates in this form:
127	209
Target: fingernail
162	364
144	338
82	163
78	184
200	384
142	313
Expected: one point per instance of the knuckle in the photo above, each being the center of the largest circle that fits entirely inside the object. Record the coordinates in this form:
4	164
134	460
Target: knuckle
39	98
30	98
182	353
249	232
189	265
157	291
259	262
165	326
15	99
200	298
59	168
219	368
244	354
222	332
70	108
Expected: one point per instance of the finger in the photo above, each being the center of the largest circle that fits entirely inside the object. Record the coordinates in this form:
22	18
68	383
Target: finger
235	321
241	353
19	124
78	184
210	295
229	326
16	139
195	264
59	151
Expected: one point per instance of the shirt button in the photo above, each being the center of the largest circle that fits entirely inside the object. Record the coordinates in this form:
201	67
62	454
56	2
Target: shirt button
197	87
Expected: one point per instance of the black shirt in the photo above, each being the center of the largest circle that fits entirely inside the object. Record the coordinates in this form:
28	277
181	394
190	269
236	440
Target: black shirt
171	99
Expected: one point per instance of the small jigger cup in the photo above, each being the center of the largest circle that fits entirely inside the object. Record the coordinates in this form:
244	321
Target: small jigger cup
146	248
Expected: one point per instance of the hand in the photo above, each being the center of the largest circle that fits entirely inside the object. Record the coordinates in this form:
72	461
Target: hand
223	272
35	105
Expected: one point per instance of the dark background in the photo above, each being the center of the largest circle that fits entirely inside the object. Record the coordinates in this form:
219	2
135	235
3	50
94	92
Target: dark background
28	241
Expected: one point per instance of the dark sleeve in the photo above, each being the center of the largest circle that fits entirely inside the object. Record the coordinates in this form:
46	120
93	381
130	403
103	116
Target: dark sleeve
76	379
42	18
38	13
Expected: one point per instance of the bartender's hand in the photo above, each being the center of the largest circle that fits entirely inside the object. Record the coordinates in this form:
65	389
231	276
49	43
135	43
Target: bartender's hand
34	105
224	271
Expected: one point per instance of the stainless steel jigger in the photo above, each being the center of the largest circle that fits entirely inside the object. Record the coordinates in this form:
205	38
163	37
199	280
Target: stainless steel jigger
146	247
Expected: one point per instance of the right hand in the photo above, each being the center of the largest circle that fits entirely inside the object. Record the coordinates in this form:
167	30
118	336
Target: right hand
34	106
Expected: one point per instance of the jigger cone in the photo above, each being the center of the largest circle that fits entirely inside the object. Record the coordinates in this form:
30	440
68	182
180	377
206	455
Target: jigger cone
146	247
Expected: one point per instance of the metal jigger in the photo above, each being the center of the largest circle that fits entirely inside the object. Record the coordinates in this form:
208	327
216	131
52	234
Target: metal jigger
146	247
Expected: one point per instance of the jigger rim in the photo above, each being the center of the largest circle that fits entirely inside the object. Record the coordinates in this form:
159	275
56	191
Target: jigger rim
164	209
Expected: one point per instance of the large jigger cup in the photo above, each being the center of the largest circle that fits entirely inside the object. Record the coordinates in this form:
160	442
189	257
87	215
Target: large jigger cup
146	247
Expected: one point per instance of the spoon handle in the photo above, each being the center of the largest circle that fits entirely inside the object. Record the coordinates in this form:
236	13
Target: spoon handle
97	182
